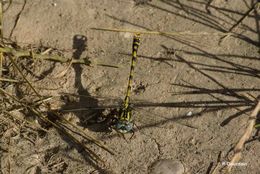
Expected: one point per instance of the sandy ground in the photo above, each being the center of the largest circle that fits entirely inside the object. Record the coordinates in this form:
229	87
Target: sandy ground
179	70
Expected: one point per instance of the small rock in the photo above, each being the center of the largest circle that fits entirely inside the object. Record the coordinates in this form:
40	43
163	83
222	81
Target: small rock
189	114
54	4
167	166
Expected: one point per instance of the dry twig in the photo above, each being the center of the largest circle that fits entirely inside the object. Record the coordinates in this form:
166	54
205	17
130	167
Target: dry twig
9	80
159	32
218	163
250	127
44	56
31	124
1	37
21	73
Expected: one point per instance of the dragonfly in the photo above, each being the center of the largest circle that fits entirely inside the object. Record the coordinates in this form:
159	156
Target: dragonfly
120	113
121	120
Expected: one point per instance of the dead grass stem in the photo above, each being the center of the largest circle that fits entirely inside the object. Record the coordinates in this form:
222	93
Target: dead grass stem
239	147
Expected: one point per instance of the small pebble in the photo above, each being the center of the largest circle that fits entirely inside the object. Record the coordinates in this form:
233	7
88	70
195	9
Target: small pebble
167	166
54	4
189	114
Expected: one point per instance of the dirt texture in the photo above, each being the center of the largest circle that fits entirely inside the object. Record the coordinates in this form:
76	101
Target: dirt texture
190	90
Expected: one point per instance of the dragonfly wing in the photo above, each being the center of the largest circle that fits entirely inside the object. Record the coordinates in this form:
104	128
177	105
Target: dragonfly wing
149	118
81	105
73	102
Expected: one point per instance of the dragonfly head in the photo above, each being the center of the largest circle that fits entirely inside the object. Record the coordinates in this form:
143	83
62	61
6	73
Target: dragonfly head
124	126
124	122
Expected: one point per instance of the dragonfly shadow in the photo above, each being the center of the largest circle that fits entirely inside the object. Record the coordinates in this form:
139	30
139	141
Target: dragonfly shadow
80	47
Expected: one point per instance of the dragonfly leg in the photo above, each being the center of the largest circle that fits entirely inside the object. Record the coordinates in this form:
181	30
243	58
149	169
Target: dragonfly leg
135	128
133	133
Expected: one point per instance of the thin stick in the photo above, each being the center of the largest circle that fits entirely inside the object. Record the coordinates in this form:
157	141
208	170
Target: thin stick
239	147
26	53
218	163
88	137
1	37
238	22
1	20
9	80
28	122
35	103
158	32
1	63
62	73
56	58
20	71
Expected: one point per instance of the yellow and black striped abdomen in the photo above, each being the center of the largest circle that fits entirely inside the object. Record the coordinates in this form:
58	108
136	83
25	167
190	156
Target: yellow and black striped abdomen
124	123
136	43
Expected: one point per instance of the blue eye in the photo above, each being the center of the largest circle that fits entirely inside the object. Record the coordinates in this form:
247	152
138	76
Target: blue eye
128	126
124	127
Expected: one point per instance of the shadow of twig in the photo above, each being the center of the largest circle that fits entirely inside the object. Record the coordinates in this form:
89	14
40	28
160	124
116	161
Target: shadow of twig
203	90
206	18
17	18
212	92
